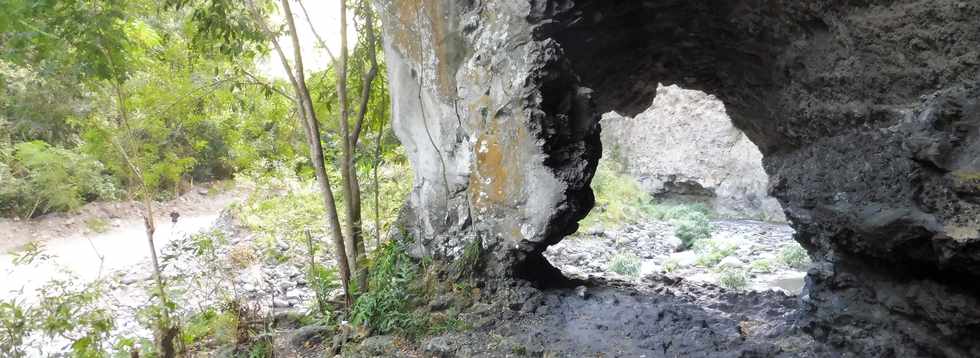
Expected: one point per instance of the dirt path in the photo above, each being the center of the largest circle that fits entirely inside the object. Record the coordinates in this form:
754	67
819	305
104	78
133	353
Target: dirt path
71	247
113	216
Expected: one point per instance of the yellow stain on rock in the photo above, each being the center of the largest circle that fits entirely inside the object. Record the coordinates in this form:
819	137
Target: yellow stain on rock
412	14
498	178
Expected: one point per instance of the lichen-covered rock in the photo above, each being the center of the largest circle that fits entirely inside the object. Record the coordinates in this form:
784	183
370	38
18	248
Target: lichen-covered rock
502	140
866	113
685	147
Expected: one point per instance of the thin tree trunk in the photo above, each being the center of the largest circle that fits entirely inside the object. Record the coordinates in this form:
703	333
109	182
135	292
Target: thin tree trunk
377	184
353	232
317	153
355	237
167	330
352	138
307	117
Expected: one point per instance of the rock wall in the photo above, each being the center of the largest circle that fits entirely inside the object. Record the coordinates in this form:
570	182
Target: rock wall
502	140
865	112
685	147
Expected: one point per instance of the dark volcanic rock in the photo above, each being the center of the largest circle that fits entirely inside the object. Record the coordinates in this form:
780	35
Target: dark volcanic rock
865	112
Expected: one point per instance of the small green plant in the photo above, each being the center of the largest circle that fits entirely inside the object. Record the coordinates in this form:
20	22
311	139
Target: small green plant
761	266
97	225
671	266
619	198
69	310
733	278
210	328
794	256
29	253
675	211
15	325
626	264
711	252
691	228
468	263
260	349
395	302
386	308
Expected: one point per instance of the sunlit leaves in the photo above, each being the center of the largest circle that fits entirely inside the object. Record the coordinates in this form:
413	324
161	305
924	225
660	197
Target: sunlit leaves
85	36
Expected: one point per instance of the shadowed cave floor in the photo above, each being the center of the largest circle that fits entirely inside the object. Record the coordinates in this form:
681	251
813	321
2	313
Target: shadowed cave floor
658	317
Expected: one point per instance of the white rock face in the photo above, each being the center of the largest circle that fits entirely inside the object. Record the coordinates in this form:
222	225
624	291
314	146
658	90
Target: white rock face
685	145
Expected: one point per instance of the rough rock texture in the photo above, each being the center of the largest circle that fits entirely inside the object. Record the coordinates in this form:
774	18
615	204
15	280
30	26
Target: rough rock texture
685	147
865	112
658	317
502	139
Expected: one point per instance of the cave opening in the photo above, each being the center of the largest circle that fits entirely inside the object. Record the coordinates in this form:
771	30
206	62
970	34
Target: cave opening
680	188
681	192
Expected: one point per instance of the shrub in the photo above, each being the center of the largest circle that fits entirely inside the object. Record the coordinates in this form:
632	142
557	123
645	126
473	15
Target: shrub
625	264
711	252
671	266
387	307
40	178
733	278
15	325
97	225
692	228
761	265
619	198
675	211
210	328
242	256
794	256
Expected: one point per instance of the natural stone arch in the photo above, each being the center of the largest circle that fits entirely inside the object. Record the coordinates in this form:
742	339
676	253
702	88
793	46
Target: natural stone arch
865	111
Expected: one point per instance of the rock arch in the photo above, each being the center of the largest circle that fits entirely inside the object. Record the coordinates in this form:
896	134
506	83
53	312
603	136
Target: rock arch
865	112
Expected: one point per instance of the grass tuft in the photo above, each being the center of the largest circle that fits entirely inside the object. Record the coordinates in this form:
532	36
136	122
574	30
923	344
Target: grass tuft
626	264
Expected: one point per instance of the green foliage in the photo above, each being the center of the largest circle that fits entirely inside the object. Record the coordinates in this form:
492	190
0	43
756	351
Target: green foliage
210	328
65	310
260	349
794	256
395	302
619	198
323	280
692	228
671	266
285	210
44	178
733	278
626	264
761	266
15	325
84	37
97	225
469	262
29	253
285	206
387	307
676	211
711	252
